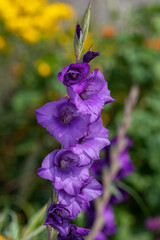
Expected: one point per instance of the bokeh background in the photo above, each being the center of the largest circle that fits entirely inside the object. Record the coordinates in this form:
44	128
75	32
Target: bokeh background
36	42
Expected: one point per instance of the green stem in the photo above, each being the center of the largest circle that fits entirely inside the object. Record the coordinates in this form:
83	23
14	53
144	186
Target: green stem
49	232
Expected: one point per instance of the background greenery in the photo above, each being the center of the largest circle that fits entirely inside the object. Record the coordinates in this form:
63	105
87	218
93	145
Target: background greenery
29	64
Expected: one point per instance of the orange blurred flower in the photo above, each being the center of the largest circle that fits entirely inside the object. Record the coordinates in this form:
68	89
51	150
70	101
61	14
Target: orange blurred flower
153	43
4	238
108	32
18	70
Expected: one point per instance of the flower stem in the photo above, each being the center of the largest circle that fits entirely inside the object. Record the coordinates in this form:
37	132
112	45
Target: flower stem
49	232
108	176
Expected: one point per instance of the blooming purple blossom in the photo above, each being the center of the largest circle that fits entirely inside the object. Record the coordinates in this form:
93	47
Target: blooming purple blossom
62	167
94	96
61	118
75	233
90	190
91	144
75	75
58	218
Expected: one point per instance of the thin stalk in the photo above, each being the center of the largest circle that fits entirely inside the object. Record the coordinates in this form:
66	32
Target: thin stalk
114	168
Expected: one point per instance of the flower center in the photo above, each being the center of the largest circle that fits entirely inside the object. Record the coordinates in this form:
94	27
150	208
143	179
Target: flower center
73	75
64	163
83	95
67	162
58	212
80	140
66	117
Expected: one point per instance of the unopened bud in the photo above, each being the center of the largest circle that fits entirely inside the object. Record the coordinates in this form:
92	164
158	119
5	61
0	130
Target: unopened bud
81	32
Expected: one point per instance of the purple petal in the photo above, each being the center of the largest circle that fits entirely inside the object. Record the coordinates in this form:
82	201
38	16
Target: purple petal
101	236
72	203
78	31
94	97
110	226
89	55
61	118
75	75
96	139
47	169
75	233
92	190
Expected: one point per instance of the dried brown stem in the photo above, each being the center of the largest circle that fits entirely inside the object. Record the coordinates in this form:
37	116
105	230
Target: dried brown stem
108	175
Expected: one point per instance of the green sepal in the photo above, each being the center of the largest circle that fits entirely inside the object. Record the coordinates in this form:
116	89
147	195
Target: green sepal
79	43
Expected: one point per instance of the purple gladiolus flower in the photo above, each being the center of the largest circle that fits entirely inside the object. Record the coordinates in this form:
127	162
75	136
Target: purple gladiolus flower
122	196
110	226
109	221
101	236
75	203
153	224
126	165
62	168
94	96
78	31
89	55
75	121
58	218
75	233
91	144
75	75
61	119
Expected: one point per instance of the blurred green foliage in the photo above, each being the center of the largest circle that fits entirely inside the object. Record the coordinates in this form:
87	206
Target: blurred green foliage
128	57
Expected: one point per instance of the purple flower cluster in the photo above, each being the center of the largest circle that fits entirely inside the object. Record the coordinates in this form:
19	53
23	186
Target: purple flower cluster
75	121
125	169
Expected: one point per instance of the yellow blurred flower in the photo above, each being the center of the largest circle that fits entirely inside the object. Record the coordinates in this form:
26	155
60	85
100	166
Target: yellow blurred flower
43	68
2	42
64	39
34	20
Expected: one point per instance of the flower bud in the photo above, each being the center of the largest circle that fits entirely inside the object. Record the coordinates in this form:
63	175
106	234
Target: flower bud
81	32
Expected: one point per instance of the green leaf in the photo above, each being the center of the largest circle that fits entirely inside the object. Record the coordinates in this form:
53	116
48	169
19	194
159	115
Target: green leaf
34	233
37	218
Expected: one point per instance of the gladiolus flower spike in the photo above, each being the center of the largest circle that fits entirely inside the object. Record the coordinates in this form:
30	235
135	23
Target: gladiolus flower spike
75	121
